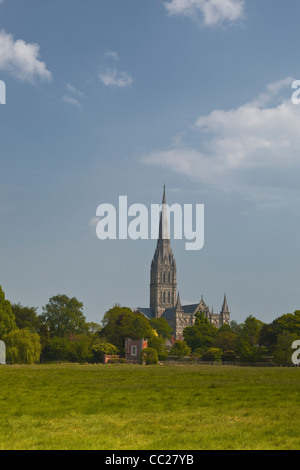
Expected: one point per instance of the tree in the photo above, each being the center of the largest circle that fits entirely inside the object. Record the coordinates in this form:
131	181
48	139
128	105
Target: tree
213	354
120	323
57	349
93	328
148	356
80	348
235	327
112	325
26	317
201	335
161	326
158	343
225	340
135	325
247	344
44	335
22	347
7	318
289	322
64	316
180	349
282	354
101	348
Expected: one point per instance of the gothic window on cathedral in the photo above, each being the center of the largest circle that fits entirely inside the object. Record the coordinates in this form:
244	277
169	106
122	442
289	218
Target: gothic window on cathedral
169	297
164	298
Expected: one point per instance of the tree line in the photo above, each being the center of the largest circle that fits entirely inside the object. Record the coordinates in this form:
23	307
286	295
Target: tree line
62	334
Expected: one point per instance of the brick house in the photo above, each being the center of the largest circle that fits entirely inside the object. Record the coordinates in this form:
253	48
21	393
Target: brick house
133	349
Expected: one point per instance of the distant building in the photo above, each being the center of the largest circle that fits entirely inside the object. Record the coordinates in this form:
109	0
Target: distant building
133	349
164	299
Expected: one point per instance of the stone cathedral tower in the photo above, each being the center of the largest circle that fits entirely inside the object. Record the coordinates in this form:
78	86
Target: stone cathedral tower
163	286
164	301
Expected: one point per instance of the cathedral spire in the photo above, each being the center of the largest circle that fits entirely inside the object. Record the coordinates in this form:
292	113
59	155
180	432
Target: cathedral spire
163	286
225	308
178	303
164	201
164	233
163	248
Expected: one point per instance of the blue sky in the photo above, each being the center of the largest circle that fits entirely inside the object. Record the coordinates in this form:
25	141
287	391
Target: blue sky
119	97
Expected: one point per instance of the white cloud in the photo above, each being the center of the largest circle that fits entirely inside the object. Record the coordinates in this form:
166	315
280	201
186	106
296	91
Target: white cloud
22	59
254	145
71	100
112	55
73	97
74	90
211	12
113	78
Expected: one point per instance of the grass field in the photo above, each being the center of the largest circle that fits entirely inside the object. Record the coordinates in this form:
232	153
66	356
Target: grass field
123	407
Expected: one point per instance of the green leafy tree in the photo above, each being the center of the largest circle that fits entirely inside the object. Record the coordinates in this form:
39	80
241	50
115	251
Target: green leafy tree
93	328
158	343
44	335
80	348
198	352
269	334
235	327
101	348
149	356
180	349
7	318
22	347
248	345
201	334
112	325
120	323
225	340
45	340
58	349
282	354
288	322
75	348
64	316
213	354
161	326
26	317
135	325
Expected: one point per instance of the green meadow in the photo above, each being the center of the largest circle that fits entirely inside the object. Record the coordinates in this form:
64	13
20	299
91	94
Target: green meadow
127	407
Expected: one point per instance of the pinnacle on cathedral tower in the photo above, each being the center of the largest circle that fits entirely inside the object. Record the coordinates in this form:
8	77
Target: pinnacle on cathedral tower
225	314
178	303
225	308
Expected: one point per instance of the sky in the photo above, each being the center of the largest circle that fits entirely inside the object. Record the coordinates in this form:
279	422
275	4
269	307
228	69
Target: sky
106	98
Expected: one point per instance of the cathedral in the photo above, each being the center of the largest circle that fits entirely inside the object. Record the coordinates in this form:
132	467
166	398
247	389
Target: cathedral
164	298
